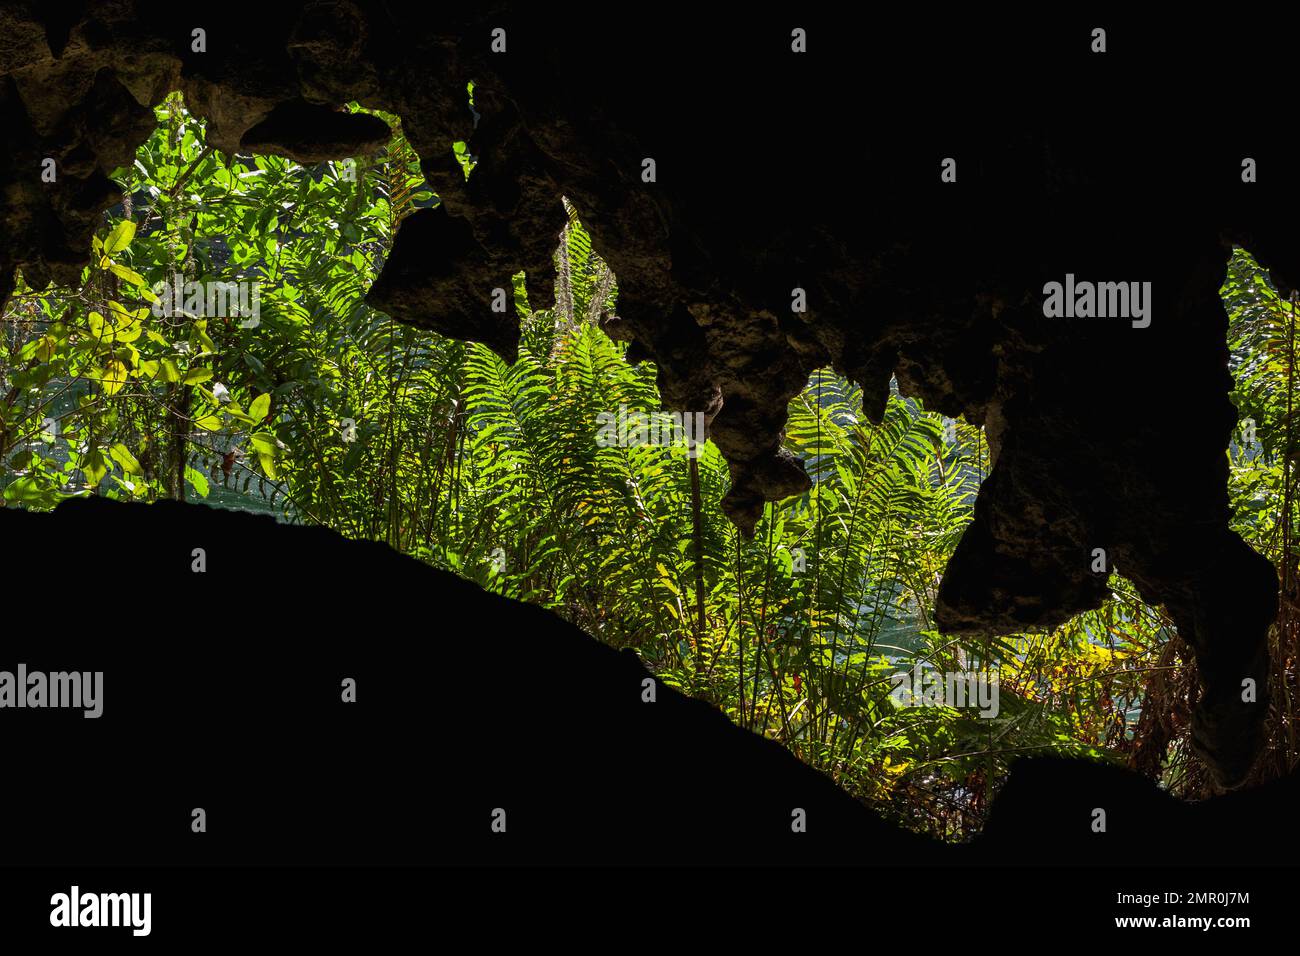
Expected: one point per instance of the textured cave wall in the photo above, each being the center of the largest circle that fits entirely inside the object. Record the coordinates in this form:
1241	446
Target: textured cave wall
775	171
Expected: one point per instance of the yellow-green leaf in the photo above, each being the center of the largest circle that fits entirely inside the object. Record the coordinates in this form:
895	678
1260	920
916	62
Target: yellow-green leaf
120	454
114	377
198	480
268	463
210	421
119	238
261	405
121	314
130	275
94	466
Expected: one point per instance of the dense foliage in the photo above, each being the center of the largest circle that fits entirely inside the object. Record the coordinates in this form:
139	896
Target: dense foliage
321	410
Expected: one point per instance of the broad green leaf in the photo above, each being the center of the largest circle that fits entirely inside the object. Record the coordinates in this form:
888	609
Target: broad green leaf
261	405
268	463
122	315
211	421
198	480
30	490
120	454
234	410
119	238
94	466
113	377
129	275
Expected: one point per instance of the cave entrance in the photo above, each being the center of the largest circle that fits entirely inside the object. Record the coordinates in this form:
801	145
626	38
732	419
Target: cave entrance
220	350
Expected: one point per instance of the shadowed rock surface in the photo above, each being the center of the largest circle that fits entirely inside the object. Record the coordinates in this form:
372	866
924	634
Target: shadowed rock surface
776	171
224	692
312	134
